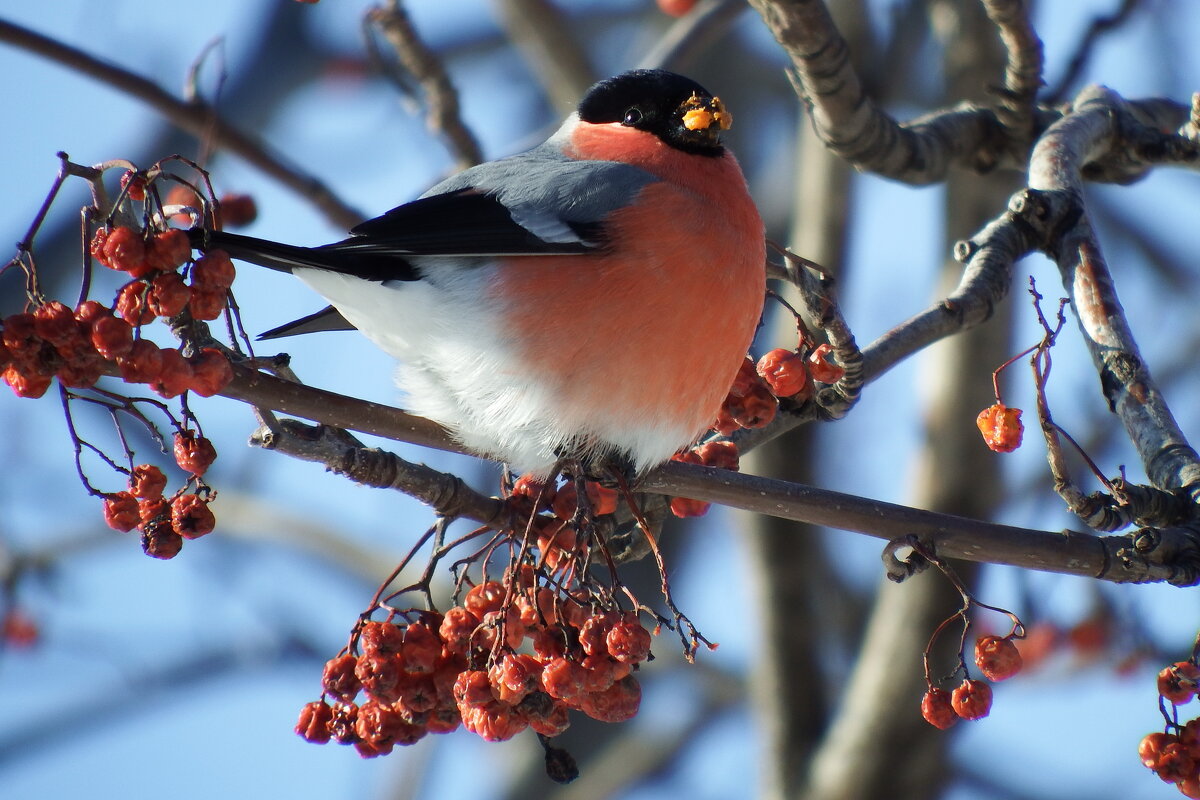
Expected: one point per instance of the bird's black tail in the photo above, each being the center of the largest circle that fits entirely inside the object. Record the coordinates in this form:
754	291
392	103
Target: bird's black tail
265	253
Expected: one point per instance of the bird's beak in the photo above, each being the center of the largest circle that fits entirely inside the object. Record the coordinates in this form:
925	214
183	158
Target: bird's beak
705	114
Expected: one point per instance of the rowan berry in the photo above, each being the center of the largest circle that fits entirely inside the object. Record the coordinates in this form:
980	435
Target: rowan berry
339	678
1001	427
599	672
159	541
456	629
314	722
784	372
341	722
131	303
29	382
422	648
191	517
550	718
168	294
629	642
472	688
758	408
1177	683
193	453
91	310
1151	747
382	638
206	304
537	490
143	364
213	271
719	454
593	635
19	629
684	507
514	676
121	511
444	718
484	597
1174	763
174	378
725	424
821	368
167	250
55	323
494	622
494	721
997	657
1190	786
617	703
416	695
237	210
563	679
124	249
937	708
134	184
112	337
378	674
972	699
211	372
146	482
602	499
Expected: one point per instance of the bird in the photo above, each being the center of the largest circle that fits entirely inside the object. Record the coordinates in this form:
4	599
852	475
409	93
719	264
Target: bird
591	299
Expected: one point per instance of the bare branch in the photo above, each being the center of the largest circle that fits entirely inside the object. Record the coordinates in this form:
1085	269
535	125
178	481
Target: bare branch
197	118
555	55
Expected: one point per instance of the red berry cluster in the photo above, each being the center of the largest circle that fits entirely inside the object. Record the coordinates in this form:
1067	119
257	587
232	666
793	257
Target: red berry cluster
1174	754
998	659
164	523
753	400
497	664
1001	427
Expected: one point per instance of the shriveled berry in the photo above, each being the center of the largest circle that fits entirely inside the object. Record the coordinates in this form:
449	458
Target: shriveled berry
29	383
494	721
121	511
617	703
820	366
1177	683
91	310
472	688
211	372
422	648
54	322
383	638
628	641
937	709
758	408
719	454
339	679
563	679
378	673
685	507
131	303
784	371
1001	427
191	517
314	722
213	271
997	657
456	629
134	184
1175	763
341	722
168	295
972	699
146	482
112	337
1151	747
167	250
175	377
193	453
161	542
206	304
125	250
143	364
593	635
484	597
547	716
746	380
536	489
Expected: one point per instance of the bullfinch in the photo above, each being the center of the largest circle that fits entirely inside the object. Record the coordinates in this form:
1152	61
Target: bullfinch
590	299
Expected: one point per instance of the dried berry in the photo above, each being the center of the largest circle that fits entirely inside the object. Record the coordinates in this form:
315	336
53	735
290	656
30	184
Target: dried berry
314	722
193	453
821	368
175	376
1001	427
937	709
784	371
191	517
121	511
972	699
211	372
146	482
997	657
1177	683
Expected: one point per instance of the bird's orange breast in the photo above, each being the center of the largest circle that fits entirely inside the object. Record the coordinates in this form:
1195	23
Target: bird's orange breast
650	332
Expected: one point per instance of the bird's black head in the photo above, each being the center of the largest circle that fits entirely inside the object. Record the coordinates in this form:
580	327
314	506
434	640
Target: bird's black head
676	109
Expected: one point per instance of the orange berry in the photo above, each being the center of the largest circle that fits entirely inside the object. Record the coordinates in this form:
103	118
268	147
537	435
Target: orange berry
211	372
121	511
143	364
1151	747
135	185
191	517
1177	683
1001	427
206	304
784	372
758	408
997	658
937	709
684	507
111	336
722	455
131	303
339	678
822	369
676	8
213	271
146	482
168	294
237	210
193	453
313	725
175	376
167	250
972	699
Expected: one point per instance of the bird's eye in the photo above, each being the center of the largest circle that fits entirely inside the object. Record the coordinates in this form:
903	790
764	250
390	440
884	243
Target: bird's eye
632	116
